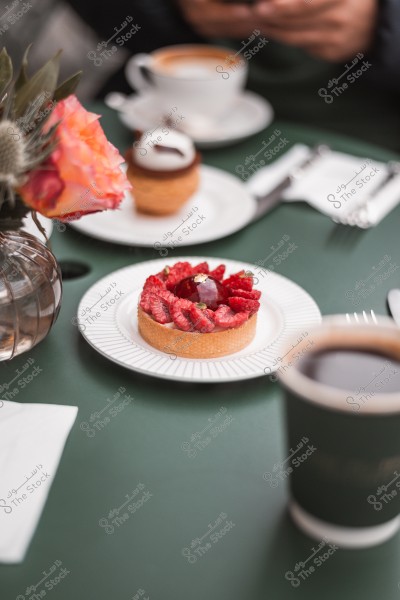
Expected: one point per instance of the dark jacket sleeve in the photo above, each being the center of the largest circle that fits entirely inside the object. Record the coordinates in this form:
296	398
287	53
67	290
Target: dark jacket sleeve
160	22
385	56
160	25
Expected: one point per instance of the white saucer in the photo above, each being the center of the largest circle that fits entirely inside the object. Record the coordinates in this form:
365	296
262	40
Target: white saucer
107	319
202	219
251	114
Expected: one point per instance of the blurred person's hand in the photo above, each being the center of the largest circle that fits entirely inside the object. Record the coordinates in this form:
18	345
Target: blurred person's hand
334	30
213	18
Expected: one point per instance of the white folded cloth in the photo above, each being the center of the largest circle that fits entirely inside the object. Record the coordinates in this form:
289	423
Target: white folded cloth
32	439
335	184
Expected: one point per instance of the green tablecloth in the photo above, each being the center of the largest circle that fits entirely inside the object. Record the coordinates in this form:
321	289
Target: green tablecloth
143	444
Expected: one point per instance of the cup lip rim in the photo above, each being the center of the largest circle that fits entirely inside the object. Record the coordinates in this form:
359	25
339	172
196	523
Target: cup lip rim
331	398
158	51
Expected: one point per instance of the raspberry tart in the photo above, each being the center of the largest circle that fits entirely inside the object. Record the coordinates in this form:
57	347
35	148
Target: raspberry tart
193	312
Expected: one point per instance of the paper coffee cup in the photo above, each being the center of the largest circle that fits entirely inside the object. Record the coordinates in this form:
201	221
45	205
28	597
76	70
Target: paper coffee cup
344	447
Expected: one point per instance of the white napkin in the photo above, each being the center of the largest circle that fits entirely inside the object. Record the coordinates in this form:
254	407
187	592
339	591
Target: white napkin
335	184
32	439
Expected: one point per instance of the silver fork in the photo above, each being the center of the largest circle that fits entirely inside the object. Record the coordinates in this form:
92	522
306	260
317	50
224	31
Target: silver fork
362	318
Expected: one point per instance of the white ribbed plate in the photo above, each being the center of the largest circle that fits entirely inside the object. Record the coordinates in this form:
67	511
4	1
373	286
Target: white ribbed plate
107	318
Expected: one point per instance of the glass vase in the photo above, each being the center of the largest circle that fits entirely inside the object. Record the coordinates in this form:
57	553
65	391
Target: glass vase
30	292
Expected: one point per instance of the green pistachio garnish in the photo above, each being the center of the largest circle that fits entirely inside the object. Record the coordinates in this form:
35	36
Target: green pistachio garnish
201	305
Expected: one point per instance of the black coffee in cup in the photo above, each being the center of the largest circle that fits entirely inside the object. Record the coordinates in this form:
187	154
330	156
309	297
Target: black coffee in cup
353	369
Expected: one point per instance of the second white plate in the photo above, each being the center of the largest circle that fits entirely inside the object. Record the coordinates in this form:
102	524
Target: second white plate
221	206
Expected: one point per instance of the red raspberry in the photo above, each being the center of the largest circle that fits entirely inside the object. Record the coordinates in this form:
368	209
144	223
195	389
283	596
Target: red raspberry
179	271
157	292
239	281
244	283
201	268
160	275
169	297
160	309
147	293
153	281
218	272
225	317
180	313
243	304
203	319
145	301
253	295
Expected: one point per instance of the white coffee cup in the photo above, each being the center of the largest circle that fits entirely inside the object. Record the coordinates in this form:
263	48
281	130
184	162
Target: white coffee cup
202	81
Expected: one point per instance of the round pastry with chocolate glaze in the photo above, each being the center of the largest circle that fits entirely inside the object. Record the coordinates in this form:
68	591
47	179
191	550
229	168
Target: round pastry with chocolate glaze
164	171
193	312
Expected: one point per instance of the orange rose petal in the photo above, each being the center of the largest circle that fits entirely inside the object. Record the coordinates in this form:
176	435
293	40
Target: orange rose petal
86	163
